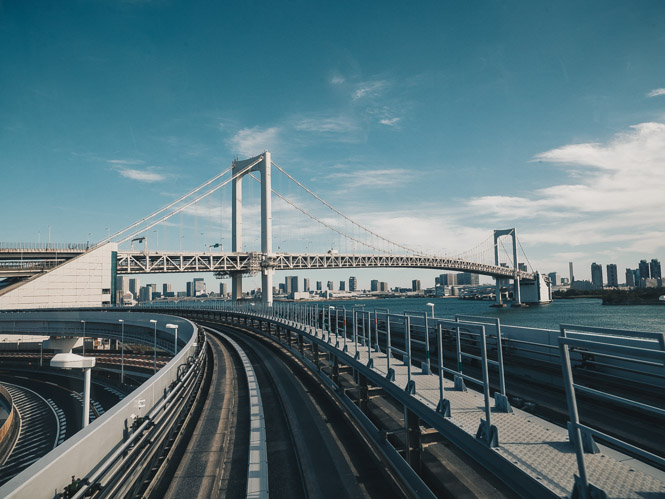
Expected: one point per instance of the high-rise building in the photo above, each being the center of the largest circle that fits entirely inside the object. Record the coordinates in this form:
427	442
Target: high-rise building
134	287
122	283
166	288
190	288
612	275
644	269
415	285
342	285
630	277
554	278
597	274
223	289
570	269
448	279
383	287
654	268
353	284
522	267
374	285
319	286
198	286
467	278
305	284
330	286
294	284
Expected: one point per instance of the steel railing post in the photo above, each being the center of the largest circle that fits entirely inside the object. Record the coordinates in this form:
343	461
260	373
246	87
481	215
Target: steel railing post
410	385
444	404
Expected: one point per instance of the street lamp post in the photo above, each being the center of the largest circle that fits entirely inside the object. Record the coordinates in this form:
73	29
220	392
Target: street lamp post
83	322
73	361
431	305
175	341
122	350
154	368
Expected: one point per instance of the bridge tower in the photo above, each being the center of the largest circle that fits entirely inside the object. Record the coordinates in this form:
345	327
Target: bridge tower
516	280
262	165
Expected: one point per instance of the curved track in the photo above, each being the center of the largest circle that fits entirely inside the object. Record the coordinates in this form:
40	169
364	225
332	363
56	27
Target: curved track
313	449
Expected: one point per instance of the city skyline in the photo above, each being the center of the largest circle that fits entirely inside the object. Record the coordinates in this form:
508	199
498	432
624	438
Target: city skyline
547	121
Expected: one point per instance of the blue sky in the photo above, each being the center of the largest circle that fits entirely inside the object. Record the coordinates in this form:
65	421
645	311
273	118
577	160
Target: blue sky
431	122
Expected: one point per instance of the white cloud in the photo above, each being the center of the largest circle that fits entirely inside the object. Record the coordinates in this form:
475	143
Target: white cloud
141	175
389	121
369	89
616	197
656	92
378	178
253	141
147	175
337	80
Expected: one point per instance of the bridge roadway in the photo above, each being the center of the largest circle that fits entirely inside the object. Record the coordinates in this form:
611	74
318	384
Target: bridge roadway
23	263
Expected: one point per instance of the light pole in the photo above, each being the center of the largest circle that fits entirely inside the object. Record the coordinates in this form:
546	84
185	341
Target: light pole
122	351
175	341
83	322
431	305
154	369
73	361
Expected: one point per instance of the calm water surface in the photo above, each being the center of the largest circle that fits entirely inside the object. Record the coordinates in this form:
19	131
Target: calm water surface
587	312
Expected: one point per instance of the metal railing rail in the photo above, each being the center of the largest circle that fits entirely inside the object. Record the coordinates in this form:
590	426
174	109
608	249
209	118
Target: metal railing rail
582	434
424	330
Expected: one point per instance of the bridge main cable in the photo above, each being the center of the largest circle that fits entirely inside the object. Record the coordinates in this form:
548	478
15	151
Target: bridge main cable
109	238
343	215
166	217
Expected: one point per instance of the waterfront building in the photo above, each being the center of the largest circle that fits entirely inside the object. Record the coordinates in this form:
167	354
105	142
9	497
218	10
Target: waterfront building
223	289
134	286
374	285
198	286
342	285
467	279
654	269
305	284
415	285
319	286
189	288
554	278
166	288
612	275
630	277
294	284
383	287
522	267
644	269
353	284
597	274
287	284
330	286
448	279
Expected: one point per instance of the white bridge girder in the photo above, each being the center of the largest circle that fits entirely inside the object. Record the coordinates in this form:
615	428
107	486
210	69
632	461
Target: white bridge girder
254	262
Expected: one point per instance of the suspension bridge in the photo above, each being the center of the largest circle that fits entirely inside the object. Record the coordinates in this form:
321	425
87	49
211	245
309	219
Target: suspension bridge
22	264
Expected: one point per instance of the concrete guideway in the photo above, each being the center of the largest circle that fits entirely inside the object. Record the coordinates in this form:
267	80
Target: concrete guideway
540	453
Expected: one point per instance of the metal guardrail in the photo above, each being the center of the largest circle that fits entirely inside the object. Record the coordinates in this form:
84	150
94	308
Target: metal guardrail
582	435
44	246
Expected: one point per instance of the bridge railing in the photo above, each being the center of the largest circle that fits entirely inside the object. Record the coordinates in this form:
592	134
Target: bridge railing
582	435
25	246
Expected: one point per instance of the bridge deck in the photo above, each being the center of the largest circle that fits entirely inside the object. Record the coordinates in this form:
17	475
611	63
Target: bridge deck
538	448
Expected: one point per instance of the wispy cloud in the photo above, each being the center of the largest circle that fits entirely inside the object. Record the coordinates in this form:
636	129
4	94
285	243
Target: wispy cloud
389	121
337	80
252	141
377	178
331	124
148	175
617	195
656	92
369	89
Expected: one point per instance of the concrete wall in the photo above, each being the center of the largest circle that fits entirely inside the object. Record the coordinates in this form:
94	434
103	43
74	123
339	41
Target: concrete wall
76	283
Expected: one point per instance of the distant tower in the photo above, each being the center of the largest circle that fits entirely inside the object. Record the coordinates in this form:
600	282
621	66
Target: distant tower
572	275
597	274
645	271
654	268
353	284
612	275
630	277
